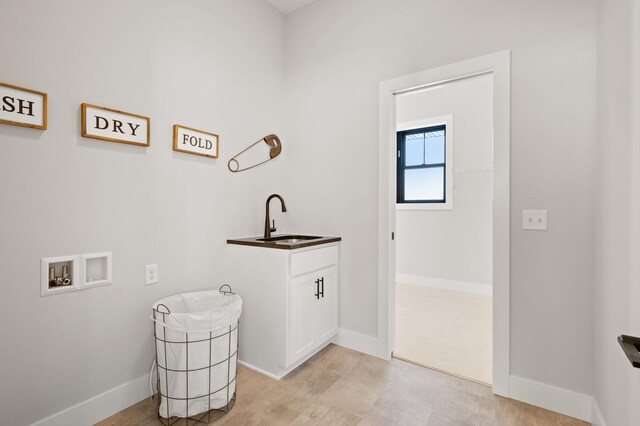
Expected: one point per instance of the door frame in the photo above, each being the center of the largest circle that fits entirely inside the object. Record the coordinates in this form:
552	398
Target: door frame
498	64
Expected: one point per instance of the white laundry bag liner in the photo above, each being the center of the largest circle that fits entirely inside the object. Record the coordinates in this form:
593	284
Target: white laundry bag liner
196	329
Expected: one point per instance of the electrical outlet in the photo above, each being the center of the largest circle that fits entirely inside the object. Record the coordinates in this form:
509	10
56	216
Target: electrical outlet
151	274
534	220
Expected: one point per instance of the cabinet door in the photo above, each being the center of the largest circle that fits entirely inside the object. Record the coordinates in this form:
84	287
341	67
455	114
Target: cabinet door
327	306
302	321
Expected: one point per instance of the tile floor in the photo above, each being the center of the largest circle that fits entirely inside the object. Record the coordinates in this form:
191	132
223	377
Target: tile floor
339	386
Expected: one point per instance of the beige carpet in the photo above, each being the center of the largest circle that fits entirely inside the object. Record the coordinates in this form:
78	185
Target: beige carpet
445	330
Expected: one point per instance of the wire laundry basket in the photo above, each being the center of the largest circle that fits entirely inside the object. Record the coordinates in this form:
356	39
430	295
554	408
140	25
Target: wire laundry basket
196	367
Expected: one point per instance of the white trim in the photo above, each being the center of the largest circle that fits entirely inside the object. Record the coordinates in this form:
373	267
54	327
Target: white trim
446	120
596	415
357	341
260	370
293	366
101	406
552	398
346	338
499	65
441	283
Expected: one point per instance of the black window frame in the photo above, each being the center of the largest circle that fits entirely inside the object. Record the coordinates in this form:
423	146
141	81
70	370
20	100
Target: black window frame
400	167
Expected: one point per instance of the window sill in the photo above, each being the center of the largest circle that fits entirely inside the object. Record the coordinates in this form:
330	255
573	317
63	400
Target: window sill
425	206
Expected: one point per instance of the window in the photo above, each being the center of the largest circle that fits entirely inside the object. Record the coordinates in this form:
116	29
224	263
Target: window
422	165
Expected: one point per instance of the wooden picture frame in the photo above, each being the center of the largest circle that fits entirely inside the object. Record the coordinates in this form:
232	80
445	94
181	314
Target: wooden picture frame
196	142
121	127
8	106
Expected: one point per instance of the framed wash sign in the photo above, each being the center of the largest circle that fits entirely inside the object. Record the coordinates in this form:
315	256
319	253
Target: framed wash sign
192	141
23	107
116	126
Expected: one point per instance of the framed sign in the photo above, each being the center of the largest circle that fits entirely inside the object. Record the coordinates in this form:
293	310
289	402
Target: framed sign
23	107
193	141
116	126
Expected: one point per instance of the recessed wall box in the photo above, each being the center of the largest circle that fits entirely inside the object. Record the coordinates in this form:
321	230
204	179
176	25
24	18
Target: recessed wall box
59	275
95	269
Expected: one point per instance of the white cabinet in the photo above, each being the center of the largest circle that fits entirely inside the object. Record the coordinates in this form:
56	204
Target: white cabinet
290	303
302	317
313	316
327	305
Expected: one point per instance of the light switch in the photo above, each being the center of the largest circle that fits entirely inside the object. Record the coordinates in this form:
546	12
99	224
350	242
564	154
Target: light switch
534	220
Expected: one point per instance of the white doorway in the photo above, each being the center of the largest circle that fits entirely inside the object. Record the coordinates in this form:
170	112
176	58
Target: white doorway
443	237
497	67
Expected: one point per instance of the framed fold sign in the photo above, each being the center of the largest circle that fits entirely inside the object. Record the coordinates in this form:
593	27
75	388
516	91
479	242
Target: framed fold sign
193	141
115	126
23	107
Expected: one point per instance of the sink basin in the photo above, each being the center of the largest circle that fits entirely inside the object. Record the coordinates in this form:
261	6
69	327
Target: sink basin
289	239
284	242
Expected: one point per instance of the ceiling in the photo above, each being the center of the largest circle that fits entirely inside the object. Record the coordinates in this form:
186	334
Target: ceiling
288	6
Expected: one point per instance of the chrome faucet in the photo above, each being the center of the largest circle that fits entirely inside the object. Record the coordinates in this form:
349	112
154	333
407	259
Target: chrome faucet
267	228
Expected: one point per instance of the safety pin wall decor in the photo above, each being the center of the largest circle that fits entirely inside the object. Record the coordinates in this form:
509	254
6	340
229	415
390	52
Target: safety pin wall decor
255	157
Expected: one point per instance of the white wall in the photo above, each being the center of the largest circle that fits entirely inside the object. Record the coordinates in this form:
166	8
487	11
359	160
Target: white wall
617	278
337	54
453	244
211	66
214	65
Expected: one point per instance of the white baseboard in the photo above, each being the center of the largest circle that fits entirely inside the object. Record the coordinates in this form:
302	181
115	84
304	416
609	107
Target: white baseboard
101	406
283	372
260	370
552	398
596	415
440	283
357	341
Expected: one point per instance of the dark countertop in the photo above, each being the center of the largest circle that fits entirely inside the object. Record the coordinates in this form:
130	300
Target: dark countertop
284	242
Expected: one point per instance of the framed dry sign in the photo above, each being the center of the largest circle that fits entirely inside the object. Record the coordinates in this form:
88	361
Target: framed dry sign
192	141
116	126
23	107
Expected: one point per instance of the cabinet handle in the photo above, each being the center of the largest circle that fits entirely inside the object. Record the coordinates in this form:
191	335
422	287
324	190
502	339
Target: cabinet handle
317	289
322	283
